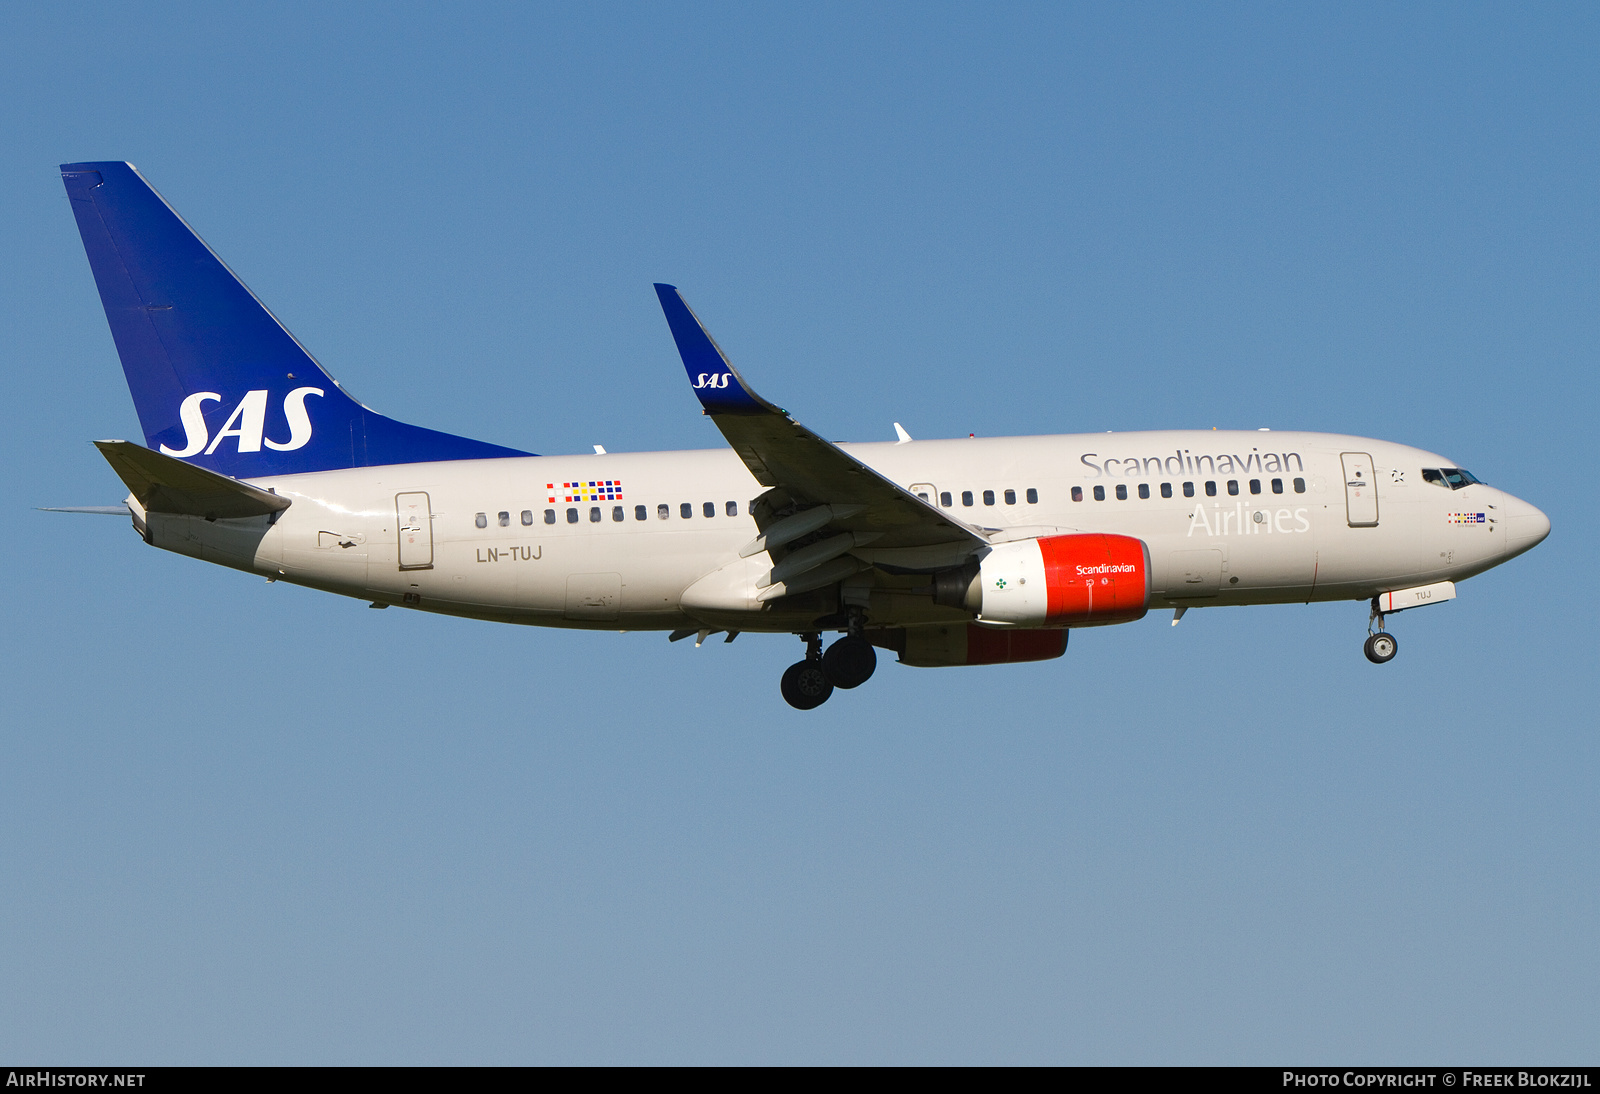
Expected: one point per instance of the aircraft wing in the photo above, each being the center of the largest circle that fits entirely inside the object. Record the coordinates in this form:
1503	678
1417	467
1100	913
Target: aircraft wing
783	454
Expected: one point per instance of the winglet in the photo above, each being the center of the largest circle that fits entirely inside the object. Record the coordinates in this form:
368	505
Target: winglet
718	384
825	482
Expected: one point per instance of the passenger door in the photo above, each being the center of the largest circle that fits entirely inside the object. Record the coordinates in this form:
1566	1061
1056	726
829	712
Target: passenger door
415	521
1360	490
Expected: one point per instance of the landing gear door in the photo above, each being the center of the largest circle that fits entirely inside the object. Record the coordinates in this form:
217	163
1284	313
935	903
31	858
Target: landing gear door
1360	490
415	520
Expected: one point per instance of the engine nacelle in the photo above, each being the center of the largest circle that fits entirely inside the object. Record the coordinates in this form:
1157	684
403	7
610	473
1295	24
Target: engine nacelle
969	644
1075	580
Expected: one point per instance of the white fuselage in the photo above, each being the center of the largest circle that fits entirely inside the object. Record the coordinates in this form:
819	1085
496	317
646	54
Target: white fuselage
499	539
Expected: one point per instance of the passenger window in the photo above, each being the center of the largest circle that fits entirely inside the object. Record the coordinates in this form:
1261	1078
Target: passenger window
966	497
1233	487
988	497
481	520
1122	492
640	512
732	508
709	509
1277	486
549	516
1077	493
1299	486
1144	490
686	510
663	511
1188	489
1255	486
1099	493
594	514
1166	490
1032	496
527	517
1211	489
505	519
572	516
1011	497
616	513
944	499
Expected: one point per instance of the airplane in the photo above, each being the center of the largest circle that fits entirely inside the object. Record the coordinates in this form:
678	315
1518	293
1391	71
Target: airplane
950	552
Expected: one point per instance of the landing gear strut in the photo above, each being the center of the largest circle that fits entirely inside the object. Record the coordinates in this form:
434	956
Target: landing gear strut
1380	646
805	686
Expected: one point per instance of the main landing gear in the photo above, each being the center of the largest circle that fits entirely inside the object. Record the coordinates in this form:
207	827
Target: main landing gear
849	663
805	686
1380	646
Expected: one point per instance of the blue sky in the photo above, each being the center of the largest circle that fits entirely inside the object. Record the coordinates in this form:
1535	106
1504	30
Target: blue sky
253	823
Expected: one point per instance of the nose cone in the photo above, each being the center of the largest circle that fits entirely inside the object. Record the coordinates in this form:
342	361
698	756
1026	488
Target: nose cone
1526	526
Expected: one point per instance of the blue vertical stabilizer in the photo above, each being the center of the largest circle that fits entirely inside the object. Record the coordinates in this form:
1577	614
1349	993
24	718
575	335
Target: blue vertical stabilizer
216	379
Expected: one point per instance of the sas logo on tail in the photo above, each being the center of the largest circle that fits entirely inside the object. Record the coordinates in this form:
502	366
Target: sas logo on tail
248	423
712	379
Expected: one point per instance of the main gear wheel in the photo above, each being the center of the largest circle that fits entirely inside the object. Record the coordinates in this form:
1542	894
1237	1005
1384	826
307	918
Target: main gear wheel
850	662
805	686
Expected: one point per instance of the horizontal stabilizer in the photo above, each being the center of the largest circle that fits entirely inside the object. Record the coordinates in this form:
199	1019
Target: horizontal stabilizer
95	510
167	485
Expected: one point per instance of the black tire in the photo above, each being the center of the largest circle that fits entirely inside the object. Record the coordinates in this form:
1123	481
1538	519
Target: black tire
1381	648
805	686
850	662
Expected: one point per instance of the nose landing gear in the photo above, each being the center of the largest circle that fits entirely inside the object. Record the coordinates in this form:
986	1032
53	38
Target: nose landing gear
1380	646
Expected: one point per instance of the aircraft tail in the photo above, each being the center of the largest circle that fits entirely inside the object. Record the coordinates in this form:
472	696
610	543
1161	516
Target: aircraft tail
216	379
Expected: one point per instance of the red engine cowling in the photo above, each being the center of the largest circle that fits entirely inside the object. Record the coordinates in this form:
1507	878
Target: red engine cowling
1076	580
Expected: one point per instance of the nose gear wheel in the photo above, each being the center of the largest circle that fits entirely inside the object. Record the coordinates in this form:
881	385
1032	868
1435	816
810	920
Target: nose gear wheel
1380	648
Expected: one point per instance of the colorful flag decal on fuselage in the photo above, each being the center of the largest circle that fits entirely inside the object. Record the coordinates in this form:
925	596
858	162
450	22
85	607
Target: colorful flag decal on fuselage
598	490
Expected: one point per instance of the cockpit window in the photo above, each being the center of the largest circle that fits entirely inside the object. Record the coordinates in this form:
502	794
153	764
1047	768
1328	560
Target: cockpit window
1453	478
